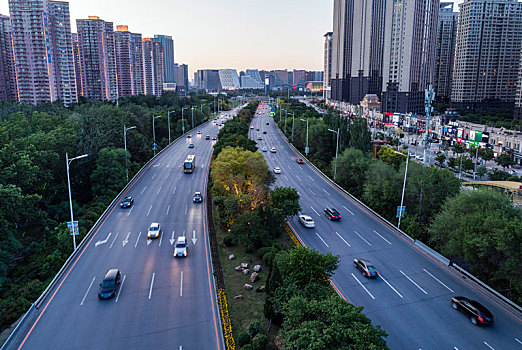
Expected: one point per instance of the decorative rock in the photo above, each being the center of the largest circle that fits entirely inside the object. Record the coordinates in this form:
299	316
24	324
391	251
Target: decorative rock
238	268
244	265
248	286
257	268
238	297
253	277
260	289
246	271
231	257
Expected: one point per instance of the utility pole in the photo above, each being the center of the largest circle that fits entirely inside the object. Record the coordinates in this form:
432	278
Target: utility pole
125	129
430	96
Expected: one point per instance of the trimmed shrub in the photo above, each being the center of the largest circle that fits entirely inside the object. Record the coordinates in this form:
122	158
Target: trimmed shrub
259	342
247	347
254	328
242	339
228	240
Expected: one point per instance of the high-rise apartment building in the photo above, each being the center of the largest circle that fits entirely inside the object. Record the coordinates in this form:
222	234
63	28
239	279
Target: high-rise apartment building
153	67
138	72
229	79
7	72
445	51
42	47
207	79
124	67
487	53
410	33
357	49
518	96
77	64
327	84
168	56
181	75
97	59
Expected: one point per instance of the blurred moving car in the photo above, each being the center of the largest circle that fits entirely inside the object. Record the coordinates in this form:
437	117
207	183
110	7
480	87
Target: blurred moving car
477	313
306	221
277	170
273	150
127	202
110	284
180	249
154	230
332	214
299	161
366	267
198	198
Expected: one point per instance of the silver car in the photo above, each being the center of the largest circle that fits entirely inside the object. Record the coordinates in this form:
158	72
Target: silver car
306	221
180	249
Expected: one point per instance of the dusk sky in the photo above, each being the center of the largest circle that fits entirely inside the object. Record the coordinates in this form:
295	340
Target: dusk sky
268	34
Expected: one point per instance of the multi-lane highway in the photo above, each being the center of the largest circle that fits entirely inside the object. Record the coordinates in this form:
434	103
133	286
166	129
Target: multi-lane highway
411	298
164	302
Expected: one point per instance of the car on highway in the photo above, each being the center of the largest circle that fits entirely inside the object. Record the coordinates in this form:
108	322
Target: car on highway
277	170
264	149
199	132
207	137
191	145
197	198
154	230
251	127
214	138
273	150
264	131
127	202
260	138
180	249
478	314
189	136
306	221
267	123
110	284
332	214
257	129
299	161
366	267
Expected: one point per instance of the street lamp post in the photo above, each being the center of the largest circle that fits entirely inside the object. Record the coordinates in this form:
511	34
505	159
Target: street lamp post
192	117
307	149
168	118
68	162
125	129
336	152
403	185
182	122
293	121
154	133
286	116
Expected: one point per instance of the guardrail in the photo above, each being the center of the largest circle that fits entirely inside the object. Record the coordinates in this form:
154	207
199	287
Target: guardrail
419	244
35	306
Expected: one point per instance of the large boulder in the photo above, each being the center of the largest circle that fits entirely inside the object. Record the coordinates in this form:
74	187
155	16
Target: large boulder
257	268
246	271
253	277
238	268
244	265
238	297
248	286
231	257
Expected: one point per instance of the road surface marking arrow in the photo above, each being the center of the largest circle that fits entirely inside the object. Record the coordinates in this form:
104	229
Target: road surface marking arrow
149	241
104	241
194	237
126	239
172	239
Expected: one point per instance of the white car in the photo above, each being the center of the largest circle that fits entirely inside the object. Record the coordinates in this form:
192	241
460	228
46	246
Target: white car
180	249
264	149
277	170
273	150
306	221
154	230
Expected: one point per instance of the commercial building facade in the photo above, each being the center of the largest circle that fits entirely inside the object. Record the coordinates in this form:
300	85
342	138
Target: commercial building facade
7	71
167	44
445	51
229	79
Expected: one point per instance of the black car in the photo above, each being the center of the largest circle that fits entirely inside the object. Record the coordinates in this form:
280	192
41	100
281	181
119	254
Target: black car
366	267
267	123
207	137
477	313
127	202
264	132
332	214
110	284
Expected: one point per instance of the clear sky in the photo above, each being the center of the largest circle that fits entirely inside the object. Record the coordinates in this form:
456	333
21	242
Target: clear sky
262	34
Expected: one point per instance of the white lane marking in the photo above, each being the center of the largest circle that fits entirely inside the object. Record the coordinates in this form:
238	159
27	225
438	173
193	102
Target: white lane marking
104	241
367	291
348	244
166	177
190	188
186	208
149	210
436	279
520	342
135	245
130	211
412	281
289	167
315	211
161	237
326	192
298	178
357	233
126	239
181	285
348	210
88	289
172	239
311	191
311	178
143	190
174	190
159	189
179	177
168	166
194	237
156	165
287	179
179	166
180	347
151	284
121	287
322	240
114	239
168	208
455	348
389	285
153	176
489	346
377	233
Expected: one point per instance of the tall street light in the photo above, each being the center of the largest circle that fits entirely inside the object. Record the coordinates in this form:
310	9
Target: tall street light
403	185
182	122
68	162
154	133
336	151
293	121
168	118
125	129
307	149
192	117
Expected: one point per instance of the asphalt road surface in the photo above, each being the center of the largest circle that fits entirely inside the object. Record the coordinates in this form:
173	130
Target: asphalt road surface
164	302
411	298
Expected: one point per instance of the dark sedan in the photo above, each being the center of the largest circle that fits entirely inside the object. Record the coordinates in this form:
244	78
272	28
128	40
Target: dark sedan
110	284
332	214
477	313
127	202
366	267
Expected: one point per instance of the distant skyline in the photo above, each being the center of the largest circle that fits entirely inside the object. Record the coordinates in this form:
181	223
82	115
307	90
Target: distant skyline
210	34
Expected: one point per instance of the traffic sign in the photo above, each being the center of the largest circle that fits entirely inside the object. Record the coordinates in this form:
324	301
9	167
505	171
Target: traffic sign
400	211
307	150
73	227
